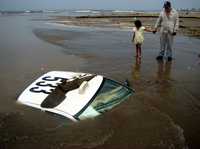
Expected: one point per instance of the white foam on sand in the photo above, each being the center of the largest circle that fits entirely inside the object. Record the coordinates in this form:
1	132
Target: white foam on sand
59	24
56	24
87	11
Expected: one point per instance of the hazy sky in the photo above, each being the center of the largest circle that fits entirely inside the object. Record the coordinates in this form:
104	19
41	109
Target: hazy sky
94	4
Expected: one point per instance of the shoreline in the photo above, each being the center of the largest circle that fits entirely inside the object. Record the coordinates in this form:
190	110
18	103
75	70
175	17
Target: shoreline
189	23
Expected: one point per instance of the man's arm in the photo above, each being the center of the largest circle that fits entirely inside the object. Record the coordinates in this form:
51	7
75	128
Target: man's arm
158	23
176	25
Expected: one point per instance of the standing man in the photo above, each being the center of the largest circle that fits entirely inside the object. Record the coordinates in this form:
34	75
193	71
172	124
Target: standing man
168	22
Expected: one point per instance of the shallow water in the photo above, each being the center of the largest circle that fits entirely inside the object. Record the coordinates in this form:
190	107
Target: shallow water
164	112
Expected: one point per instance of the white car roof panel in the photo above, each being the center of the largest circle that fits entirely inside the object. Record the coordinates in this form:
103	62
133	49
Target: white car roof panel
76	101
47	81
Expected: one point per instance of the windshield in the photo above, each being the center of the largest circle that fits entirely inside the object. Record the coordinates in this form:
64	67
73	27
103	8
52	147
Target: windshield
110	94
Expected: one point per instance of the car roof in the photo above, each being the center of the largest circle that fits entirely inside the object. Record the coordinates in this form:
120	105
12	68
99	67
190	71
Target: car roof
40	89
75	101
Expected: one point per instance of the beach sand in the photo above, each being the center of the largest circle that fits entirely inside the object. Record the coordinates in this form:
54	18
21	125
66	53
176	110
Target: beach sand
189	23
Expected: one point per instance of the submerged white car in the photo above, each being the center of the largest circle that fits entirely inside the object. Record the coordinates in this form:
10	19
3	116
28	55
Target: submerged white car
73	95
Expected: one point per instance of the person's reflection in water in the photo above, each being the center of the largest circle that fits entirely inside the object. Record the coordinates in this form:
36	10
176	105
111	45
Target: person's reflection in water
164	71
136	70
163	78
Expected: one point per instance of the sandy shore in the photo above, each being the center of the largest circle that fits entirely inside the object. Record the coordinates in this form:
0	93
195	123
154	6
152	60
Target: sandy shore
189	23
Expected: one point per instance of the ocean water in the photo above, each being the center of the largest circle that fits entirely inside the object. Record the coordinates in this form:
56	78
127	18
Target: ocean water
164	112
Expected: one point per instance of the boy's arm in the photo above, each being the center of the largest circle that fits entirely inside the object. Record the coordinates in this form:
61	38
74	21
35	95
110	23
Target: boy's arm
148	29
133	36
134	30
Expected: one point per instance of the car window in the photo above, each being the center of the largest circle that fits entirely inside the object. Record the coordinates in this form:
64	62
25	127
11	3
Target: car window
109	95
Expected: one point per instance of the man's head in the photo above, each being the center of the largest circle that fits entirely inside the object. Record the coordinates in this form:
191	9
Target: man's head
167	6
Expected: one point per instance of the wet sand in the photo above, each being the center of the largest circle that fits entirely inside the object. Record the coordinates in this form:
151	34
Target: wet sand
164	112
189	23
169	87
